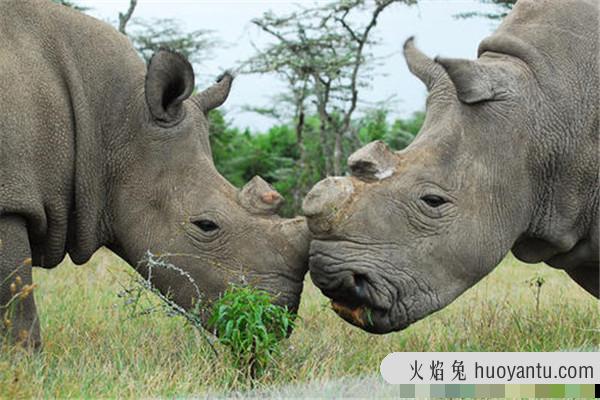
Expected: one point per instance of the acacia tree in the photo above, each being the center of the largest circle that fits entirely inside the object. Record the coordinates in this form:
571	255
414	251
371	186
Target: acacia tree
322	53
148	36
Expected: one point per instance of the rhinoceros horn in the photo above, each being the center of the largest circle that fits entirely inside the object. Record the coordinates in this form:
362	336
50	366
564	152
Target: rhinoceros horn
258	197
471	79
372	162
215	95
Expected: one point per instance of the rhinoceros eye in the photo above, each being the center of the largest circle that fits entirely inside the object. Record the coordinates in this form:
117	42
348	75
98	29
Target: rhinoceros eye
206	225
433	200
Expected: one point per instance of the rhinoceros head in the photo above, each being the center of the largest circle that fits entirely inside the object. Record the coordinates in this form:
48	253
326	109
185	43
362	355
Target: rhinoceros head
409	231
170	200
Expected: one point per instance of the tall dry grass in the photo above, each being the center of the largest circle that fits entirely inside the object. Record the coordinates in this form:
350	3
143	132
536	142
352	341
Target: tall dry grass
93	349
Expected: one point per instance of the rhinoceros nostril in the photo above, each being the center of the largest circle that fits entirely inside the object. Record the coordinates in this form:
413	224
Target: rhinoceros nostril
360	286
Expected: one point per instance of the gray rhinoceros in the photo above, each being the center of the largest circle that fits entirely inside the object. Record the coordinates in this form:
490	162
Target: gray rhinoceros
507	159
96	149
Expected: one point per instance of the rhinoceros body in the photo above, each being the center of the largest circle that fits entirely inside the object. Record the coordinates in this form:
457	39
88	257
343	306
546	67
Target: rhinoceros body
96	149
507	159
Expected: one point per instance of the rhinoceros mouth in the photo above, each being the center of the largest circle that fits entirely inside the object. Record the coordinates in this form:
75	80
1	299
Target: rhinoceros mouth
358	293
370	319
356	315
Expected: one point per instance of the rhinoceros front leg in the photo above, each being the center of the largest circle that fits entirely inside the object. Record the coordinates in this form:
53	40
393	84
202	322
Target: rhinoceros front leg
18	316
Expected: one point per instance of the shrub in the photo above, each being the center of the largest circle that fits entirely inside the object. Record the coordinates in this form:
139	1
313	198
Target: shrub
251	326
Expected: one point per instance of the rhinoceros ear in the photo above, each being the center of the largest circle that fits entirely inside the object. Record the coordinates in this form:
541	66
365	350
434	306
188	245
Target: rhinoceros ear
373	162
215	95
258	197
423	67
169	81
472	79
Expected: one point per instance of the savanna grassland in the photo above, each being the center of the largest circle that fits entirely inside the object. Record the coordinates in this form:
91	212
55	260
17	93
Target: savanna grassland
92	348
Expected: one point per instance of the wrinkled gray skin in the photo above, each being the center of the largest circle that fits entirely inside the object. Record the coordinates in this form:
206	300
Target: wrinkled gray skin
507	159
98	150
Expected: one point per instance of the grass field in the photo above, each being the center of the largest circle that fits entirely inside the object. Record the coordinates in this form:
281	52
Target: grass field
92	348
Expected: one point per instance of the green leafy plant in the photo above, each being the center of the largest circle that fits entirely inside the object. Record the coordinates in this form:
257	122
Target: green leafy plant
251	326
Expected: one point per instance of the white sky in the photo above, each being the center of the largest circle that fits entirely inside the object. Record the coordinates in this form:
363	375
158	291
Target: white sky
437	32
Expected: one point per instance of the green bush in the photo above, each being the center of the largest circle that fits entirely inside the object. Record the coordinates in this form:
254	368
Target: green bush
251	326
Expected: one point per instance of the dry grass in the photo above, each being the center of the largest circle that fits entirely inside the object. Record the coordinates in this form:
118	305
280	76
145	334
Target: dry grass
92	349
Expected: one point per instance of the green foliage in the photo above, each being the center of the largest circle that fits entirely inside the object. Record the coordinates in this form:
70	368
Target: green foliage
240	155
275	155
398	135
403	131
251	326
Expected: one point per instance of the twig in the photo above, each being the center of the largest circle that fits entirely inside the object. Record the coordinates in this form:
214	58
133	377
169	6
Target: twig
124	18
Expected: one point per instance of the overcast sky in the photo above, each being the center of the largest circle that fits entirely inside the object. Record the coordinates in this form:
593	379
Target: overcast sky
432	22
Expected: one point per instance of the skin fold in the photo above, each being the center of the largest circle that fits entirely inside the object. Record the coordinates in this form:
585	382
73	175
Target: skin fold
98	149
507	160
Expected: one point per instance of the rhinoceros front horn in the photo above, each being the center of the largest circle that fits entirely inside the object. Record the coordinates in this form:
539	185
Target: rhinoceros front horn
373	162
258	197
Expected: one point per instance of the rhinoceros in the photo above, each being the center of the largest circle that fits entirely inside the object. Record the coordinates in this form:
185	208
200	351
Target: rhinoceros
98	149
507	159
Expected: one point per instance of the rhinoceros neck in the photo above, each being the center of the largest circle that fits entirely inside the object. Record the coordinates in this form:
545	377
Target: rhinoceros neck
98	71
105	82
558	40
